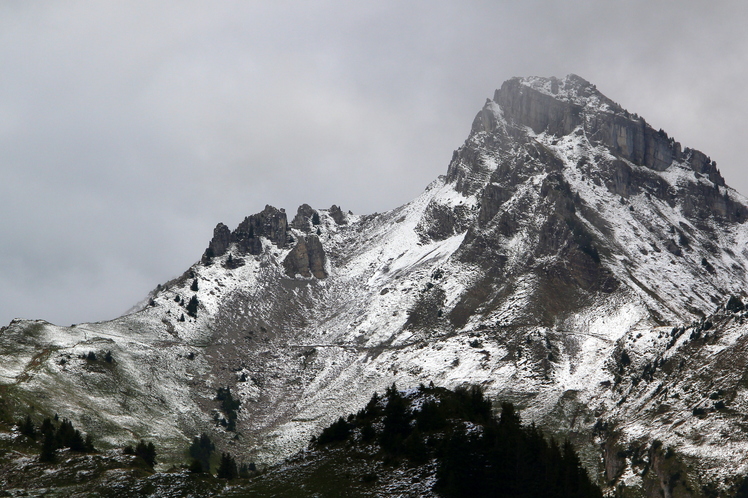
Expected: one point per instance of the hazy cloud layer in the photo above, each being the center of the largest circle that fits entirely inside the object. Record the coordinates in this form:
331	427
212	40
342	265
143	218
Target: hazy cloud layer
129	129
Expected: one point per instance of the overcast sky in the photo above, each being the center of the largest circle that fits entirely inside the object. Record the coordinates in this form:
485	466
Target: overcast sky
129	129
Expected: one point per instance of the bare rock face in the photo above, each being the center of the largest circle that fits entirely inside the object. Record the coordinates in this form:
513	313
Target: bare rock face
441	222
316	254
297	261
219	244
576	103
270	223
303	219
557	264
537	110
307	258
338	215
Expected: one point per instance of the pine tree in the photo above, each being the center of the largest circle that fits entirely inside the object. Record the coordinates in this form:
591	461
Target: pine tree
49	450
201	449
196	467
415	448
338	431
27	427
193	287
147	452
227	469
192	307
396	421
229	405
368	433
76	442
47	425
88	444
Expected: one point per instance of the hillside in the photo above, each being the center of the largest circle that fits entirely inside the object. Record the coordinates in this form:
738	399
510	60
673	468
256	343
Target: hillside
573	261
427	441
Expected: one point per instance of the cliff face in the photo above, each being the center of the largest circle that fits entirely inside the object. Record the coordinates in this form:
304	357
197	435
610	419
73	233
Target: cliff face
307	258
558	107
270	224
572	260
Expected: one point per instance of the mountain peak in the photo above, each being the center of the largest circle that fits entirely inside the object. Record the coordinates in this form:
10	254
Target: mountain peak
557	264
561	107
572	88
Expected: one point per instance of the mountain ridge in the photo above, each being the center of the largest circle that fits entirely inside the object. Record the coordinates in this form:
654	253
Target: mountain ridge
565	233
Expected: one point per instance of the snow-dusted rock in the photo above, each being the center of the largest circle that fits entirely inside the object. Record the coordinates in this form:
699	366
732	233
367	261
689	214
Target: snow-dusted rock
569	261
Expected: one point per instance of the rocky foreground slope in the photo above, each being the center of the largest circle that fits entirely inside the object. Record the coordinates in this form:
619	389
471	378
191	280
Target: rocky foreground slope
573	260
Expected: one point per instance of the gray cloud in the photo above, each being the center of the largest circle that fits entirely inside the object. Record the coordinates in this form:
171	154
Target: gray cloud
129	129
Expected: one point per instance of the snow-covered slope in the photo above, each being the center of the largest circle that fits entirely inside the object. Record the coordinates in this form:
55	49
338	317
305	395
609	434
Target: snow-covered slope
557	264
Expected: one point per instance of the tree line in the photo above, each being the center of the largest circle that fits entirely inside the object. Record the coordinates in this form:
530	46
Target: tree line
476	452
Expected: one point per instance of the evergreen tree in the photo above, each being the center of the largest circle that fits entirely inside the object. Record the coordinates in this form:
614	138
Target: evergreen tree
368	433
76	442
147	452
415	448
477	454
227	468
27	427
49	450
88	444
47	425
201	449
196	467
229	405
192	307
372	409
108	357
396	421
430	417
337	432
315	218
193	287
64	436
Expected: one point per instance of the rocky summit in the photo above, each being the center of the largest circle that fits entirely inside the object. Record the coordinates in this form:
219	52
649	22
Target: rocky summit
572	261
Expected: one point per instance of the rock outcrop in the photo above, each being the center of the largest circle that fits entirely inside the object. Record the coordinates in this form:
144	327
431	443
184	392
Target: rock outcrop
337	215
303	219
307	258
570	261
219	244
559	107
270	223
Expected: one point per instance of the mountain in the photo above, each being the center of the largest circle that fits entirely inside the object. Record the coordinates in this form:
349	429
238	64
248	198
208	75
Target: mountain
573	261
